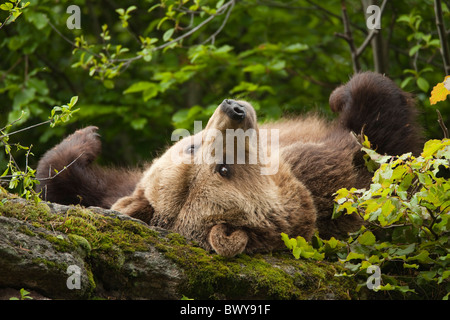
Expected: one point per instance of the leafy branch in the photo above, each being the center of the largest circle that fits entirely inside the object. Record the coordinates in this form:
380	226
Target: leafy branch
14	8
14	175
406	212
108	64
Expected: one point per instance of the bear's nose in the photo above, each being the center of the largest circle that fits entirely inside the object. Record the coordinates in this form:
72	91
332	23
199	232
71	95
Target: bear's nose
233	109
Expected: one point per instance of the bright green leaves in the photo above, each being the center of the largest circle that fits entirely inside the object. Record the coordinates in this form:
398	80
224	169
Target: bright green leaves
124	15
407	229
148	89
162	81
367	238
421	42
409	200
63	113
301	248
14	9
432	147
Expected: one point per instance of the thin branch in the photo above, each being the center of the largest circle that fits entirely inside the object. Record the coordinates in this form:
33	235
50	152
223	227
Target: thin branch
6	20
212	38
366	42
372	33
30	127
445	52
60	34
219	12
326	11
349	37
62	170
11	68
442	125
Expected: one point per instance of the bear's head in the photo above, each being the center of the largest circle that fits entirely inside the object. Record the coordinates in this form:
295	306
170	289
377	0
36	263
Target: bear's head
226	187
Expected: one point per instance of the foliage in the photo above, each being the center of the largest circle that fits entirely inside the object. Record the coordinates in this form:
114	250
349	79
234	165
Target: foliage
23	181
24	294
407	223
142	69
440	91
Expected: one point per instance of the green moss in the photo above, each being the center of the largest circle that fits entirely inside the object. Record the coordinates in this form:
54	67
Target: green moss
106	240
59	243
176	239
81	242
51	264
27	231
279	276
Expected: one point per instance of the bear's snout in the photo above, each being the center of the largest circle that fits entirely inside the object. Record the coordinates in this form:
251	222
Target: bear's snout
233	109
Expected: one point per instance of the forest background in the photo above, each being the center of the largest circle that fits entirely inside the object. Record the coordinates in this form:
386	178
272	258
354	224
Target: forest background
142	69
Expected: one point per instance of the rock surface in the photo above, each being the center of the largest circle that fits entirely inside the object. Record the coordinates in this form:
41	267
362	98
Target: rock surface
71	252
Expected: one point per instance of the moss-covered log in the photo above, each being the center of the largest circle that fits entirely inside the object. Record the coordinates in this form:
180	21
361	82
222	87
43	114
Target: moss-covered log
118	257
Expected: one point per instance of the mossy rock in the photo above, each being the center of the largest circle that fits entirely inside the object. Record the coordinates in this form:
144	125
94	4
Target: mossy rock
123	258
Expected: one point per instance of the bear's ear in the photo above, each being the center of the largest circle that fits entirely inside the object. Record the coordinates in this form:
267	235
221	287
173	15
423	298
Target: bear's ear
136	206
227	245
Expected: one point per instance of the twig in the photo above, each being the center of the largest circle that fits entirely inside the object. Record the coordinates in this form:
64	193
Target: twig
442	125
349	37
366	42
320	8
442	35
212	38
62	170
372	33
30	127
60	34
6	20
220	11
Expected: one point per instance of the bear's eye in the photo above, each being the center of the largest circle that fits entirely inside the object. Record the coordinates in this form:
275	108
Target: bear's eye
191	149
223	169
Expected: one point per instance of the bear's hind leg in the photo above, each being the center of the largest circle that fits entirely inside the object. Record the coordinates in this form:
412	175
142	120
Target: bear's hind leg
65	172
372	104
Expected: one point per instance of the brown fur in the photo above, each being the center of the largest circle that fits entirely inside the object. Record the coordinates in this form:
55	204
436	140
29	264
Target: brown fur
245	210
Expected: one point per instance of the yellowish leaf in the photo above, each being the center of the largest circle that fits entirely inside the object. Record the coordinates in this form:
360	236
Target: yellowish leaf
440	91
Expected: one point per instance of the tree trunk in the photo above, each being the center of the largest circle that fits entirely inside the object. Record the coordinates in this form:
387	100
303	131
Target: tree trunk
380	59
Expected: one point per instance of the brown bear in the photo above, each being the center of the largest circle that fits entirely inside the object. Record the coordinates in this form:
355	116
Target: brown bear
236	186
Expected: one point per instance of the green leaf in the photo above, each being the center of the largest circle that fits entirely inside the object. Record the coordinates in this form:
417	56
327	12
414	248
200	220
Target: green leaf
367	238
39	19
354	255
405	82
73	101
151	92
296	47
255	69
414	49
422	257
139	86
6	6
423	84
168	34
431	147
